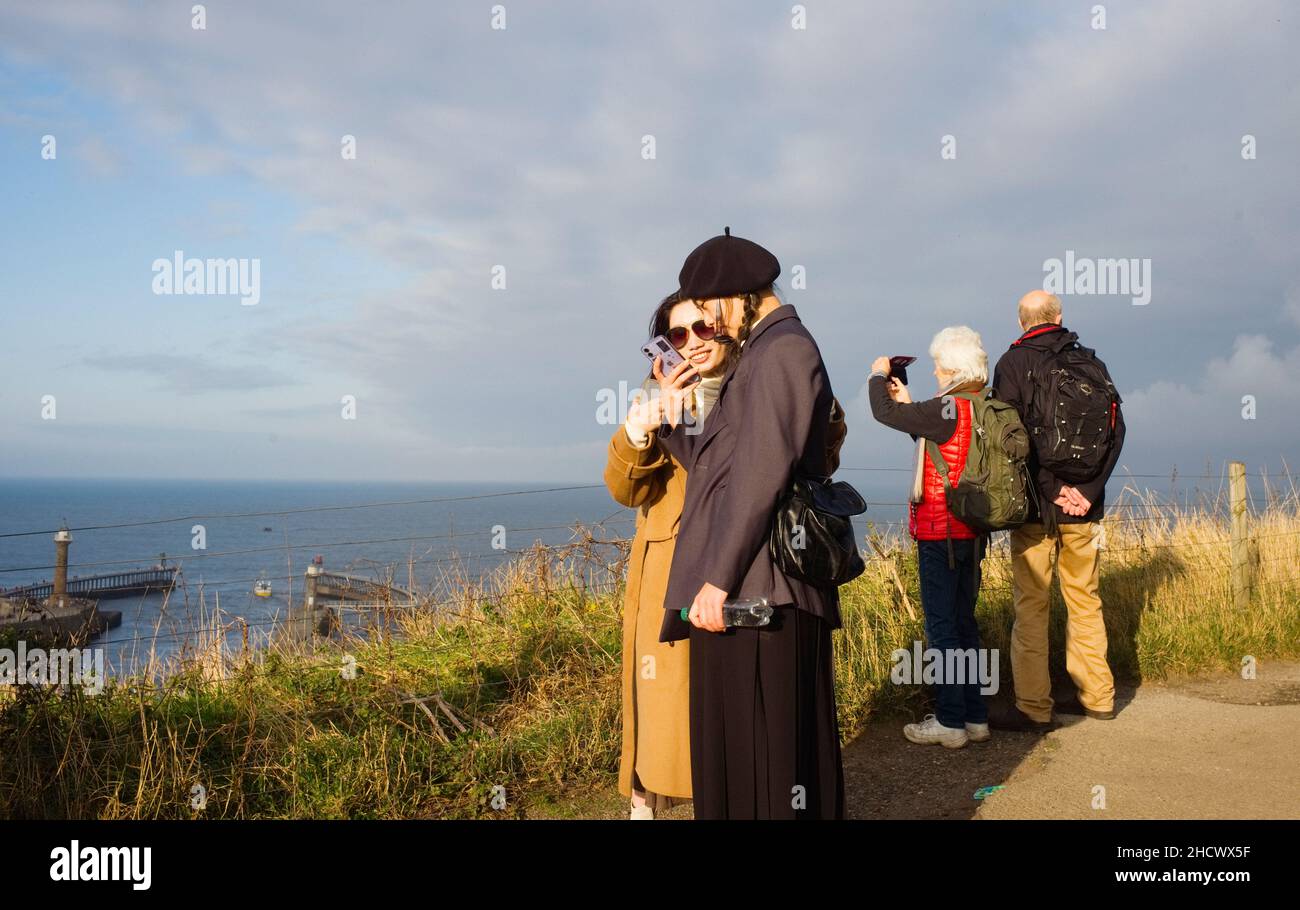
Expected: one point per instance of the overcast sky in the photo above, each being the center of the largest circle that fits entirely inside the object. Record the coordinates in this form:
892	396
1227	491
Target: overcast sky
524	147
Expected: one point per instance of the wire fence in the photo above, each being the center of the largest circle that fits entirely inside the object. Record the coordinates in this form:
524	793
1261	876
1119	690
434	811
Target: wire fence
1123	514
1172	475
1146	506
493	657
483	594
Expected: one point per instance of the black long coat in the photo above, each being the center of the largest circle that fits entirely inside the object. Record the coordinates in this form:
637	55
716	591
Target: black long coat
771	419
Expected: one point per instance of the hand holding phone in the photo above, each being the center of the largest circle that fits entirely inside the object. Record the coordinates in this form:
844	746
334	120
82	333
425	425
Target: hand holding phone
660	347
674	384
898	365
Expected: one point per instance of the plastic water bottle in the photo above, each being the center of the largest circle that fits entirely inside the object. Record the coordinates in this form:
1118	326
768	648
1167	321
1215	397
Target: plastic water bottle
748	612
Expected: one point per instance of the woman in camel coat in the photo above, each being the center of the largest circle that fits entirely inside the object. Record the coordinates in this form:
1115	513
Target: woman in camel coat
655	766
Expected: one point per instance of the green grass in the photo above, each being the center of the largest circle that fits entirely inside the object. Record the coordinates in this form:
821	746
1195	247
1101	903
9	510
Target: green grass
528	666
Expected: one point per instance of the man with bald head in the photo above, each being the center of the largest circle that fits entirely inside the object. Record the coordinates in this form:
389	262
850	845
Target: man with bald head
1066	521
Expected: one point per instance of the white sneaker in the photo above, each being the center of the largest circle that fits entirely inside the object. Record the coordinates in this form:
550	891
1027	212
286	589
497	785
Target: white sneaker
929	731
642	813
978	733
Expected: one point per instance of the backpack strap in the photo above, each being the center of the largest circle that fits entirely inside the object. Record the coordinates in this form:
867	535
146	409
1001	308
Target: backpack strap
932	448
940	465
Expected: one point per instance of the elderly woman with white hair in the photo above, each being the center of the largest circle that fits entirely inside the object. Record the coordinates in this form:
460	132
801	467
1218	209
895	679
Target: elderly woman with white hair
947	551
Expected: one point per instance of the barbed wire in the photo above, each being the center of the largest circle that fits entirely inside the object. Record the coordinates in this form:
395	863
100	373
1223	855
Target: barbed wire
505	552
471	534
455	558
241	624
298	511
182	560
266	513
282	547
599	588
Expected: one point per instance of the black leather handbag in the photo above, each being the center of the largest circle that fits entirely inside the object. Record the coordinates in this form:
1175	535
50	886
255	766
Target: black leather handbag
812	534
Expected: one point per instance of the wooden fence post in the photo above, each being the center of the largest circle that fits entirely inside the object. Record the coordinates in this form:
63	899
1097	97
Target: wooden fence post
1242	576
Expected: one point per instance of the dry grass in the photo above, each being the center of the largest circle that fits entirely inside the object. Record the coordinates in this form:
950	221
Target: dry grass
512	681
1165	586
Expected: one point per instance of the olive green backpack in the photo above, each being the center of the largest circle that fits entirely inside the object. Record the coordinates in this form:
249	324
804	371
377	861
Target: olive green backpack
994	489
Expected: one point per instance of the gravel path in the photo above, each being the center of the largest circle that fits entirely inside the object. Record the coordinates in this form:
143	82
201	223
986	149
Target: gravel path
1218	747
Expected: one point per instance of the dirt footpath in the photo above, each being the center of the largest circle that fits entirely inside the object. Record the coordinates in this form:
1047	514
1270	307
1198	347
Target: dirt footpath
1219	747
1198	748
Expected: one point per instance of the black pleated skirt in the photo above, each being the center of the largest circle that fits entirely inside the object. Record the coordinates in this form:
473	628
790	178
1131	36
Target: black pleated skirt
764	735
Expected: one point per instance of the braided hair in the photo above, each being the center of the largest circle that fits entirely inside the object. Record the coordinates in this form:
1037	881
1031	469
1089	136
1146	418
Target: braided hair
747	316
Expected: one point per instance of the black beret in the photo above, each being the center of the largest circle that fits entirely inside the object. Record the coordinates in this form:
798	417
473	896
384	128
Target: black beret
727	266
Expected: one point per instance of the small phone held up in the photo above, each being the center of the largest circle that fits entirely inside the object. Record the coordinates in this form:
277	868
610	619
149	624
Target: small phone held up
898	365
659	346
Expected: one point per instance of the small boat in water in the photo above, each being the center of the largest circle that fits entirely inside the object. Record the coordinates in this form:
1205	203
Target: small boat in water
262	588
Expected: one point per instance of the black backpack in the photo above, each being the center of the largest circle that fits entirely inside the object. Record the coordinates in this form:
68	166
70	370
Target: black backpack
1073	412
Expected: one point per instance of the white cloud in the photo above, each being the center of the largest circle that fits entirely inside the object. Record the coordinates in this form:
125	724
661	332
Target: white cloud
522	148
1201	414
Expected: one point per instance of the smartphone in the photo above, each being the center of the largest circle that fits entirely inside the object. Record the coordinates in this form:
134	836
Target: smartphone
659	346
898	365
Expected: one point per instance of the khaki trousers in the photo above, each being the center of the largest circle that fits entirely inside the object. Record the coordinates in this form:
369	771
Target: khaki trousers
1078	563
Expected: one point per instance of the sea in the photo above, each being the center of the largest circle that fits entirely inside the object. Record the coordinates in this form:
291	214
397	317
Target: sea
228	535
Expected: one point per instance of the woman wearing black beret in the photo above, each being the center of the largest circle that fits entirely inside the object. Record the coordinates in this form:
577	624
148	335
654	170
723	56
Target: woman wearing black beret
763	730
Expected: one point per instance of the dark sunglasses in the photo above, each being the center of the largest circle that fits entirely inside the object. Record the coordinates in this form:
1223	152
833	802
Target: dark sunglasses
678	334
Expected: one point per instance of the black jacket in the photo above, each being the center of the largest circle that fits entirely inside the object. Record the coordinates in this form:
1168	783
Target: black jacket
771	419
1016	371
924	418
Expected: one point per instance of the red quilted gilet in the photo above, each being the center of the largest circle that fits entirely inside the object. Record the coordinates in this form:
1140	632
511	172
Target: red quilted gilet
930	518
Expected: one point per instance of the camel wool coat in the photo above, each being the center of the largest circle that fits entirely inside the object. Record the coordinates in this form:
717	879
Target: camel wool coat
656	697
656	692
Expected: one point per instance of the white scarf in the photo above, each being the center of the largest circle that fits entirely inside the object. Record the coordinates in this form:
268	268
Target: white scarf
706	395
917	493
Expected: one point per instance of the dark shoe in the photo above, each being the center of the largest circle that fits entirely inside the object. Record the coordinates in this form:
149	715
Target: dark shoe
1073	706
1018	721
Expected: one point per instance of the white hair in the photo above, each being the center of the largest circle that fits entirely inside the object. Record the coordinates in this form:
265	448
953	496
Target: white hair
958	350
